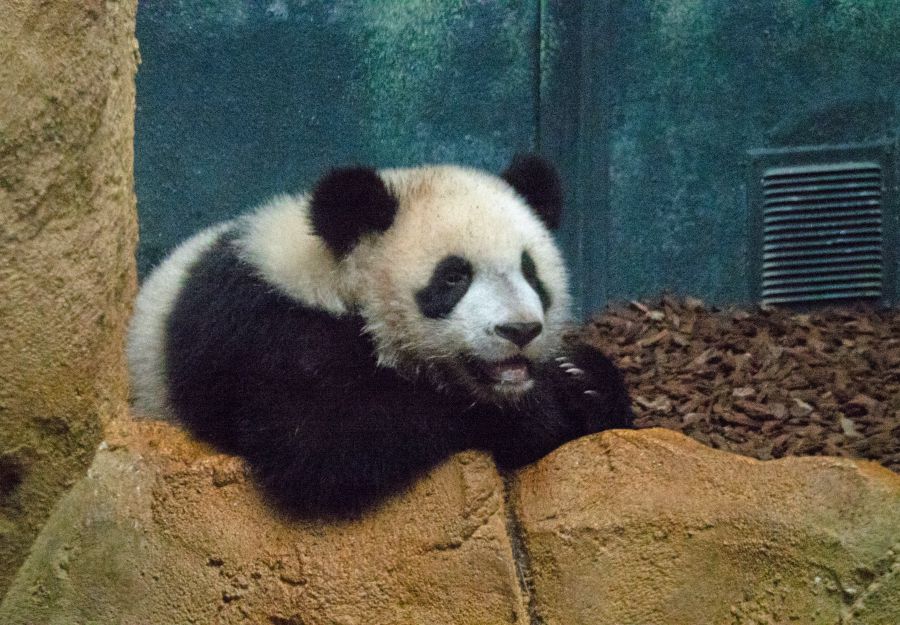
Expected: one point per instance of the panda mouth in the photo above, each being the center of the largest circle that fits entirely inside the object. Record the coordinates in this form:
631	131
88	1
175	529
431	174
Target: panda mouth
509	373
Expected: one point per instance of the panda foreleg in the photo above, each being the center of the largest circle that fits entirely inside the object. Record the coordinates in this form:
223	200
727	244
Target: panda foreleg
592	390
340	460
523	434
580	394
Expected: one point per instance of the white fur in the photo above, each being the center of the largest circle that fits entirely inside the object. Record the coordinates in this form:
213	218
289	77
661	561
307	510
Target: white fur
497	298
146	334
278	240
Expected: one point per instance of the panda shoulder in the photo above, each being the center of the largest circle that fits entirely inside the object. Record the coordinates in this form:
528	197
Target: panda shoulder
278	241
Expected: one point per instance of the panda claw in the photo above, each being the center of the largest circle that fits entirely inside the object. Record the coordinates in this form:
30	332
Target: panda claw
560	359
567	365
575	371
591	393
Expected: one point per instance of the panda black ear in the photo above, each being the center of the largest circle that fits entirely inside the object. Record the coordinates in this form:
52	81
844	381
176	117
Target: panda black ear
538	183
348	203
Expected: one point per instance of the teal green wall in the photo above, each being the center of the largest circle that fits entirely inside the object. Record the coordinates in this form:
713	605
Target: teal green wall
239	100
649	108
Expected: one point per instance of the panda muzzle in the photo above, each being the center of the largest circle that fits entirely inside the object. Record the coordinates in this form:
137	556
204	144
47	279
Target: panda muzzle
512	371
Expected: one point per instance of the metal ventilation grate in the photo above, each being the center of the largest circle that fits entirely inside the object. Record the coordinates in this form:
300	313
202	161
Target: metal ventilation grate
822	233
822	226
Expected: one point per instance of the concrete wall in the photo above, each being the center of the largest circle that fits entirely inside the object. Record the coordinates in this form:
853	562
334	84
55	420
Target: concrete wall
240	100
673	94
67	240
649	106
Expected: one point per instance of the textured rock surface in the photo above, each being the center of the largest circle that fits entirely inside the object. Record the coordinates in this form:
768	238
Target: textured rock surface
645	527
650	527
163	531
67	237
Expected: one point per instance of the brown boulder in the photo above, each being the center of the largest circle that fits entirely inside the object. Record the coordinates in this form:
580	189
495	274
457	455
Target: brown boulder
649	527
67	236
638	527
164	531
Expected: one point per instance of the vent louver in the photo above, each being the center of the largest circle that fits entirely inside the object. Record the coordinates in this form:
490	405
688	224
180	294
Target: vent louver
823	232
824	223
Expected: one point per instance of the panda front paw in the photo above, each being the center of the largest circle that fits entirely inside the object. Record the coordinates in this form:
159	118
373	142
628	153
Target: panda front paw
577	375
593	390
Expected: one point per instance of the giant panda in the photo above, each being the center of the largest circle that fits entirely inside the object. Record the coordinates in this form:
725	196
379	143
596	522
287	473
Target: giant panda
344	341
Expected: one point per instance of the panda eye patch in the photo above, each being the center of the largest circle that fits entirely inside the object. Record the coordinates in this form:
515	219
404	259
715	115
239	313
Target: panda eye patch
454	279
529	272
449	282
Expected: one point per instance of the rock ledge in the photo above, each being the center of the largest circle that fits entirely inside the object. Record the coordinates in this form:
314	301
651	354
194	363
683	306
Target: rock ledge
641	527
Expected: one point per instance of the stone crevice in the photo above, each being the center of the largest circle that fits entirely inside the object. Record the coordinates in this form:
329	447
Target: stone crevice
520	556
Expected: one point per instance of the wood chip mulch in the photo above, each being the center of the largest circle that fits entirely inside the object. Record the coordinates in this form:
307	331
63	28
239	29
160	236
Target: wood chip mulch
766	383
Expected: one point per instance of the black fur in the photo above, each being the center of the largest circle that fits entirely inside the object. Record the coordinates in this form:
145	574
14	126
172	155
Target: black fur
297	392
529	271
348	203
449	282
538	183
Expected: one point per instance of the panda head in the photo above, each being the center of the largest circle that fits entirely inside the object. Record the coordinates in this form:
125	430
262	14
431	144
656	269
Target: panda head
455	271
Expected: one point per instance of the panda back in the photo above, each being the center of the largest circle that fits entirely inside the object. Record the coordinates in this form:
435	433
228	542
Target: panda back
147	330
239	353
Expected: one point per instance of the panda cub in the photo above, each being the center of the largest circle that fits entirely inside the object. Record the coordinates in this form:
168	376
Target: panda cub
346	340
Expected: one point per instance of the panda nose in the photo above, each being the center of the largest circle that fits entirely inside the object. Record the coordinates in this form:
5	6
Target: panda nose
519	333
